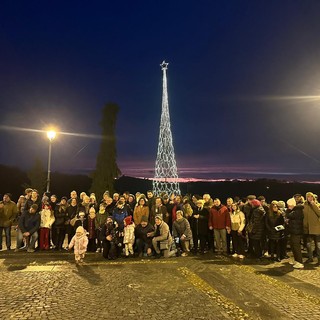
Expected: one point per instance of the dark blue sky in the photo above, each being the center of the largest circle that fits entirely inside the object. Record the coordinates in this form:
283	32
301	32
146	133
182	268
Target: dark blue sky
235	68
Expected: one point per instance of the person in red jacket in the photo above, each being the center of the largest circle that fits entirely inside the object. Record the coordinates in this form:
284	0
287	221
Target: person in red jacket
220	223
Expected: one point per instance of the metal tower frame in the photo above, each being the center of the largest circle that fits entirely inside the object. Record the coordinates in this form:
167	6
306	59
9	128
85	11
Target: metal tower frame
166	173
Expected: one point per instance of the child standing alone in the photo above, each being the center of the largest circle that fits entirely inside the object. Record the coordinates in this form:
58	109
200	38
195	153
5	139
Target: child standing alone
47	220
128	237
80	243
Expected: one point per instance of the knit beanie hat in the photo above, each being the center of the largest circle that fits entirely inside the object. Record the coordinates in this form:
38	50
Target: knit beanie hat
291	202
128	220
159	216
256	203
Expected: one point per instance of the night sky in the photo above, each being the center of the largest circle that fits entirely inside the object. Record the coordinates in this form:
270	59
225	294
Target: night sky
243	84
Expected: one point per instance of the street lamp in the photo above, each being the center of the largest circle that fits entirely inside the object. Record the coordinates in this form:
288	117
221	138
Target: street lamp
51	135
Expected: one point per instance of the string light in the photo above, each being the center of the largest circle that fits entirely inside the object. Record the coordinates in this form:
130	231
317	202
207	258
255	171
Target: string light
166	173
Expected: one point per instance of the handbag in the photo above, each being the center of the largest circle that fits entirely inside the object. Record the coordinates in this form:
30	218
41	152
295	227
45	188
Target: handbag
73	221
164	245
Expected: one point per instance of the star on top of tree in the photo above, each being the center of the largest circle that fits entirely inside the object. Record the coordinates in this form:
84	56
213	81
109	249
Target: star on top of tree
164	65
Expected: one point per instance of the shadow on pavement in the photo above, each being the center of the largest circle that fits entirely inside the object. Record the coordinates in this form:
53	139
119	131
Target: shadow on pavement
16	268
87	273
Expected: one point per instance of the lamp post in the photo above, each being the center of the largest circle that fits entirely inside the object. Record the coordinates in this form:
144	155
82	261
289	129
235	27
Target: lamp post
51	135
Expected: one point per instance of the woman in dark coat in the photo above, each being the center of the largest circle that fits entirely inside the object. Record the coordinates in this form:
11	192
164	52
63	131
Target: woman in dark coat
256	227
274	218
59	226
294	216
199	226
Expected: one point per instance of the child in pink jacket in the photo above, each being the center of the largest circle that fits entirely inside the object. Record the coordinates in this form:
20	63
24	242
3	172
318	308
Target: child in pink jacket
80	243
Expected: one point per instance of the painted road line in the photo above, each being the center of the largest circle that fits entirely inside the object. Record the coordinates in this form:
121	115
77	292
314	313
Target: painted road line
233	311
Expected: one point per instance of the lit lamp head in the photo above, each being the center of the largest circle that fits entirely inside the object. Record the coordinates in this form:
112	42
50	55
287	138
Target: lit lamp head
51	135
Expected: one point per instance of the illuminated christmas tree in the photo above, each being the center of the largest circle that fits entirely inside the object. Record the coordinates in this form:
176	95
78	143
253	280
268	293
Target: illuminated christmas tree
166	175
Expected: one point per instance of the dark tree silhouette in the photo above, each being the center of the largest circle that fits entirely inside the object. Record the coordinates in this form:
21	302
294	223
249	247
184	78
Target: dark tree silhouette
37	176
106	168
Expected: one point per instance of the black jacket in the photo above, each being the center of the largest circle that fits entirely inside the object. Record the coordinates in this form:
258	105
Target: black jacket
60	215
257	220
273	220
295	219
141	232
29	222
200	226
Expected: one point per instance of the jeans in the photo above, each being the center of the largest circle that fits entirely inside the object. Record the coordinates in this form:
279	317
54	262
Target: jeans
30	242
7	231
316	239
143	246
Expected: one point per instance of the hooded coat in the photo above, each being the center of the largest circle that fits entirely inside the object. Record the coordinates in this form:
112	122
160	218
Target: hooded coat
79	242
311	220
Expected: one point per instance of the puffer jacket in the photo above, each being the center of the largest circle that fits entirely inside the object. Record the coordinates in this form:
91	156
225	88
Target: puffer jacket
295	220
128	233
47	218
257	220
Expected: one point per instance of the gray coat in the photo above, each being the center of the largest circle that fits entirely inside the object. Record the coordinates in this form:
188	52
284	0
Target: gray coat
181	227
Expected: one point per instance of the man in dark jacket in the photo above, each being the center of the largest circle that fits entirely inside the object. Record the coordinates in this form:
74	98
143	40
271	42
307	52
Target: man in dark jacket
143	242
29	224
199	226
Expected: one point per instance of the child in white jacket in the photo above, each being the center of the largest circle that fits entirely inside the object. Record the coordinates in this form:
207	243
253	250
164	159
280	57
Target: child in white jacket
128	236
47	219
80	243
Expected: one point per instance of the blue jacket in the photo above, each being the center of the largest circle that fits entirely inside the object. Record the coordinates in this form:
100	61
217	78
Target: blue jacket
29	222
118	215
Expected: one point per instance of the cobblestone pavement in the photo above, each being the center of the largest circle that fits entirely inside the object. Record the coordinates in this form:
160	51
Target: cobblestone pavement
48	285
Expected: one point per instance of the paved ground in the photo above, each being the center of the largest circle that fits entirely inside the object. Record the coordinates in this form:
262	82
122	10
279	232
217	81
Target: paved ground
48	285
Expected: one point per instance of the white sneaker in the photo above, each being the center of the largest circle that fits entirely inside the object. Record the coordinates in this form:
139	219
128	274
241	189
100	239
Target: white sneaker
298	265
292	261
235	255
241	256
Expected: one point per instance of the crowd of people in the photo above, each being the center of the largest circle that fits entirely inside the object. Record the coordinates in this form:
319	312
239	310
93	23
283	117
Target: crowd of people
153	226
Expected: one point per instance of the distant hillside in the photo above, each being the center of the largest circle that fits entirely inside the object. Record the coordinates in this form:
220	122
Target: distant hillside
271	189
12	179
